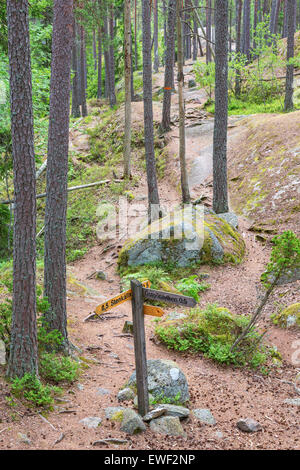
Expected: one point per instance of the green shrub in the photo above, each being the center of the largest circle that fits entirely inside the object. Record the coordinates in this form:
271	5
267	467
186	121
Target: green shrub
57	369
212	331
32	390
191	287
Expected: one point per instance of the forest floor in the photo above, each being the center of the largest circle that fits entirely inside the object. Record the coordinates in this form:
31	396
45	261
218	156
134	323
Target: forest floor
230	393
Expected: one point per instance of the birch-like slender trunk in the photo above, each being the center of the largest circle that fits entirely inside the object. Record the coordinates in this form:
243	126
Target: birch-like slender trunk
291	13
169	67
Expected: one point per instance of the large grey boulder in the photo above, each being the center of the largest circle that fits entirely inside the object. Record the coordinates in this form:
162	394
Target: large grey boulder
165	381
185	237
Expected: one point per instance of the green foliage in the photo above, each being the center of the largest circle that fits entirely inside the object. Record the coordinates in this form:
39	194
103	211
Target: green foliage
162	399
57	369
285	256
153	274
33	391
212	331
191	287
4	231
205	76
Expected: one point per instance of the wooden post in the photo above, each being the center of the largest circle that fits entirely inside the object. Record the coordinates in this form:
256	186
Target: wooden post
140	347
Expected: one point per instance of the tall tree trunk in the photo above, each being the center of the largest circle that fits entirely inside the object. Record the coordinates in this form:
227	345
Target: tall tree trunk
246	29
155	33
153	197
195	31
169	67
291	12
57	169
208	31
82	73
99	86
95	50
128	64
183	170
75	81
135	37
220	192
239	6
23	346
112	99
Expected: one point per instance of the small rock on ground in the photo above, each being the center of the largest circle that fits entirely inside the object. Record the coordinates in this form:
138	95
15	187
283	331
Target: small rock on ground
169	425
204	415
91	422
249	425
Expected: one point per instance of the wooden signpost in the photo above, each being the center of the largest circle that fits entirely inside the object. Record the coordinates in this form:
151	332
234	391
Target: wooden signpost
138	292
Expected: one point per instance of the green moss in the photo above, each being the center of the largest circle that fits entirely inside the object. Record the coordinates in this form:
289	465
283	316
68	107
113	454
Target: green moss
291	312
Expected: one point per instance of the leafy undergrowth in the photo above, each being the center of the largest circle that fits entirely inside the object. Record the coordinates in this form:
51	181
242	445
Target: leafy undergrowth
212	331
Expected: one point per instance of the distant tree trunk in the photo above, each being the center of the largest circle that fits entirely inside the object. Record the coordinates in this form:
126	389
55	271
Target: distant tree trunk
153	197
155	33
128	87
208	31
195	31
57	169
291	11
255	20
23	347
169	67
105	41
75	81
82	73
184	178
95	50
285	20
112	99
246	29
220	192
99	87
239	6
135	37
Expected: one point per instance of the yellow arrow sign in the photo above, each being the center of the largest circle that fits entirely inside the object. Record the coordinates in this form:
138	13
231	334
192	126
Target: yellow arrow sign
117	300
153	311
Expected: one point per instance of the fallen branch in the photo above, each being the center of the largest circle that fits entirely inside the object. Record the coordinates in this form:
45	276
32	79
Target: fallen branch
72	188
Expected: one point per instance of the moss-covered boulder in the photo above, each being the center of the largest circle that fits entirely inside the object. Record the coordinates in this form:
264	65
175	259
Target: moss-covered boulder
183	238
288	317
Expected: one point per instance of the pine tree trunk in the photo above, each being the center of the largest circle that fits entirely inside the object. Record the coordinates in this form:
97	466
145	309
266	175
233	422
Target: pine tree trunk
208	31
128	87
153	197
82	73
238	45
169	67
156	57
99	86
23	346
112	98
75	81
183	170
195	36
220	192
291	12
246	29
57	169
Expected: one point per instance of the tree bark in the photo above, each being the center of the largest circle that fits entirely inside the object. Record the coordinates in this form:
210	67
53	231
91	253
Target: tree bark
75	82
220	191
291	12
99	86
155	33
239	6
23	347
153	197
57	169
169	66
112	99
208	31
183	170
82	73
128	65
